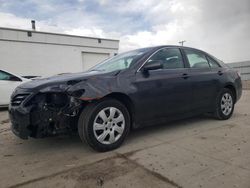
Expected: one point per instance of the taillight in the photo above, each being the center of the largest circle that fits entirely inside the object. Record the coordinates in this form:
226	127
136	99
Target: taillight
238	73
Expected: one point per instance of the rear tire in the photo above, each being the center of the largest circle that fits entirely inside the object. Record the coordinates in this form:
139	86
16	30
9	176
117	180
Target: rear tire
104	124
224	106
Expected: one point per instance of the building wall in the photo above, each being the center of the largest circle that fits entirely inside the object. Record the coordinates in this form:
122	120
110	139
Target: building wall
243	68
45	54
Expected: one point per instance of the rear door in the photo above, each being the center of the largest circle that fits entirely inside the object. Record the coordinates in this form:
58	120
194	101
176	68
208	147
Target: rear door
163	92
204	79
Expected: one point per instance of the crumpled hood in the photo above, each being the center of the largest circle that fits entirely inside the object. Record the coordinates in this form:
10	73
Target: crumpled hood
59	79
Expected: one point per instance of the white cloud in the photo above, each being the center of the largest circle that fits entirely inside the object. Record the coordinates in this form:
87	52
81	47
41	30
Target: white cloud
104	2
219	27
10	20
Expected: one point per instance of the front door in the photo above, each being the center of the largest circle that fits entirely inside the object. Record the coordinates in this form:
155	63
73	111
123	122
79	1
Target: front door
163	92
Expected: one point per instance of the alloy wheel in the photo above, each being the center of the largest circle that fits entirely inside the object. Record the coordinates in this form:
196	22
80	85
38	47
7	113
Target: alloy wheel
109	125
226	104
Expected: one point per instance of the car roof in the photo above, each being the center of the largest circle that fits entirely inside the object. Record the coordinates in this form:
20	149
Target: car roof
186	47
177	46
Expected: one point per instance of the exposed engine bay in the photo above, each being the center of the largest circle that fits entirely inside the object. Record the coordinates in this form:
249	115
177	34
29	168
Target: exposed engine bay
53	113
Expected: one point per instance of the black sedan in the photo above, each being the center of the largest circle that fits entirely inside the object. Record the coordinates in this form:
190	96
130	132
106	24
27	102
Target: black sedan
138	88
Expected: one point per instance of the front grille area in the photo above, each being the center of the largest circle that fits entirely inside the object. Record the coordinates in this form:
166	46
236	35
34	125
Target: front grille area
18	99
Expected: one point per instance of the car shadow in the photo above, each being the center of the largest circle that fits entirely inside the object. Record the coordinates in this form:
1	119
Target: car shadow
2	109
73	142
171	126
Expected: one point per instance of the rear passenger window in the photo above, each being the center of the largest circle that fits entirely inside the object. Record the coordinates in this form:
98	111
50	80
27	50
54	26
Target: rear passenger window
212	62
170	57
196	59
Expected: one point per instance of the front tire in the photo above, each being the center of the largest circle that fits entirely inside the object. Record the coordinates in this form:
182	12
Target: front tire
224	104
104	124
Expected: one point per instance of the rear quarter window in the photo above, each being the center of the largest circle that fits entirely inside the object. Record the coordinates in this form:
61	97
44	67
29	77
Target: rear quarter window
212	62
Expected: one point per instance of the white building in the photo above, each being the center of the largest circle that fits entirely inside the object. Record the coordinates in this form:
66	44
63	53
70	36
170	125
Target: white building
35	53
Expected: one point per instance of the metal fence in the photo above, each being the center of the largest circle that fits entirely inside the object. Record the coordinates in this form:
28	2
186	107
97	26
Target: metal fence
243	68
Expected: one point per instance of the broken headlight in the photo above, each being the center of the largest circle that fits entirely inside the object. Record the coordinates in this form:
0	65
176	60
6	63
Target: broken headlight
57	100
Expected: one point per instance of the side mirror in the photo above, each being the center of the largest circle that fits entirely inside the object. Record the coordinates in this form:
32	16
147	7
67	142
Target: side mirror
153	65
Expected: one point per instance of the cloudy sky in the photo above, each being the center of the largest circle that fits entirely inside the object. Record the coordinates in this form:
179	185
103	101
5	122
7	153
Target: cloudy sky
220	27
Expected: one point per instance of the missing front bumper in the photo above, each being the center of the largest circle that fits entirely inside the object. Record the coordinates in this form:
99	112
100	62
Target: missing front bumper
20	121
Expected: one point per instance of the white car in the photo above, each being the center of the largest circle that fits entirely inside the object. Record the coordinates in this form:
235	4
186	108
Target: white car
8	83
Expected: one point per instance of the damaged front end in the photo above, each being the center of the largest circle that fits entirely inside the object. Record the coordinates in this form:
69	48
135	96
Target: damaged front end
50	111
51	106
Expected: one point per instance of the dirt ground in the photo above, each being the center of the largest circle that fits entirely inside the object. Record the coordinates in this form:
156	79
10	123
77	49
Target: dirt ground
246	84
196	152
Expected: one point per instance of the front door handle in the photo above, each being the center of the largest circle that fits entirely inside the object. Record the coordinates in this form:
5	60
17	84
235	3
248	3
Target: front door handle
220	73
185	76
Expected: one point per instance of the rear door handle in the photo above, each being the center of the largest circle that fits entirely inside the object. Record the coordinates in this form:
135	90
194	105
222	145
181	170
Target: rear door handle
220	73
185	76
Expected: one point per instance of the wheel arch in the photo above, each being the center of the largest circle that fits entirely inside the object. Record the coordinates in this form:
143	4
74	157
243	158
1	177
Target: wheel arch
233	89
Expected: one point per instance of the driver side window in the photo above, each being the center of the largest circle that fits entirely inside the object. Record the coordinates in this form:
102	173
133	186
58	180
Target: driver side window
171	58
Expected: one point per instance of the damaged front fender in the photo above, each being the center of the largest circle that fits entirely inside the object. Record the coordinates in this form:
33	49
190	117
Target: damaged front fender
93	89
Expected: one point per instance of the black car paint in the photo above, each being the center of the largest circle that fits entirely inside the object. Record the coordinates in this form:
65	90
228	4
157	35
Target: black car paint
151	98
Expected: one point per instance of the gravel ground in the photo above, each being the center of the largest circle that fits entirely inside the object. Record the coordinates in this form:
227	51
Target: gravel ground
196	152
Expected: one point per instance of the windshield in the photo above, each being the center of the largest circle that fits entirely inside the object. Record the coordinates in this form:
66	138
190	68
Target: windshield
119	62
